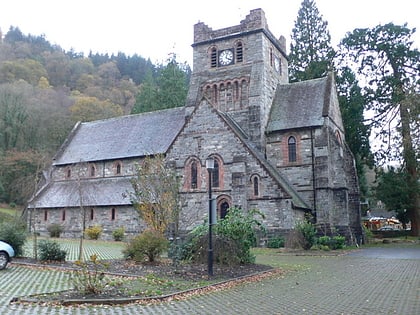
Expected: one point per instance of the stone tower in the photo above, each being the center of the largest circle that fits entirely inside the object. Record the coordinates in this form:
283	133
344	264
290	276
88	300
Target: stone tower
238	69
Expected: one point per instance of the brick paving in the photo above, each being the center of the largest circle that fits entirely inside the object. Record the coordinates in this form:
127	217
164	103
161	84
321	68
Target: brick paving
357	283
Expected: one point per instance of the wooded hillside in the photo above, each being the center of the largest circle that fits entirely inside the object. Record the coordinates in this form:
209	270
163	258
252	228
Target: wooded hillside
45	90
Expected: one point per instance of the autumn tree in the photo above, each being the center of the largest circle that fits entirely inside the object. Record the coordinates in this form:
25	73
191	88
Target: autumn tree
18	170
311	54
156	193
88	108
390	66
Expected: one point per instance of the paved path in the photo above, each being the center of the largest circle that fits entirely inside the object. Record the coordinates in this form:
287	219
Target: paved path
369	281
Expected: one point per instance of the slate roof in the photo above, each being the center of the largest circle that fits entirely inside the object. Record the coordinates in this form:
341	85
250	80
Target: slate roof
94	192
122	137
299	105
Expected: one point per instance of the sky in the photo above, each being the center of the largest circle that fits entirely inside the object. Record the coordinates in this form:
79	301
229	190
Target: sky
156	28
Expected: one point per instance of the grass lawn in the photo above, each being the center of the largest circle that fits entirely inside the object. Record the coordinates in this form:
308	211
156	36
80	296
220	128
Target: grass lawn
105	250
11	212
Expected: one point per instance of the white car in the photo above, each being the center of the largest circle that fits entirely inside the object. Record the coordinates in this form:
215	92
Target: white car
6	254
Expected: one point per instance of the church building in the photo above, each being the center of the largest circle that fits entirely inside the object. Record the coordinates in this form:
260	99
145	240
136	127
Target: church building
278	147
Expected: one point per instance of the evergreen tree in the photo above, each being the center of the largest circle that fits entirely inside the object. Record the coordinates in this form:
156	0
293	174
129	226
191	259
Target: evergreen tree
146	99
391	67
173	86
393	190
168	91
311	55
352	105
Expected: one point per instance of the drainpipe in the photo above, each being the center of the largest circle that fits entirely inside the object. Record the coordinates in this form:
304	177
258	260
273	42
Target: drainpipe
313	175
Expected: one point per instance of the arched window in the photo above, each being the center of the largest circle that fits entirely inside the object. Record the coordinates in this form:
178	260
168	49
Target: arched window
194	175
213	57
118	168
239	52
338	136
255	185
291	144
192	171
215	97
224	202
215	174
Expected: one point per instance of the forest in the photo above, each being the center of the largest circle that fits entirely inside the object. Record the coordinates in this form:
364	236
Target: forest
45	90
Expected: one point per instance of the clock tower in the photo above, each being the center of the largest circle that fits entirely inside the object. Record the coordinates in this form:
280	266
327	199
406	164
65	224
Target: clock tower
238	69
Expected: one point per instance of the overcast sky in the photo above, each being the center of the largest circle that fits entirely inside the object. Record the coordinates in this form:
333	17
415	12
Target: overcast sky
155	28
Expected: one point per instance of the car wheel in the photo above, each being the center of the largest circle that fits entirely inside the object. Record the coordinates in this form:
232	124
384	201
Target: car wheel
4	259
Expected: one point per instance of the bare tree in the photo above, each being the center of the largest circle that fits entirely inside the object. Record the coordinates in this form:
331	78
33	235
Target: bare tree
156	194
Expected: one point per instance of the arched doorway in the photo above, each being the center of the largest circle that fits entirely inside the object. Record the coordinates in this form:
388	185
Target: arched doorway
223	205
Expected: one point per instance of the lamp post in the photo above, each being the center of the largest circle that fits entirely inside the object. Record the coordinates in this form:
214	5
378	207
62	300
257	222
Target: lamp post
210	167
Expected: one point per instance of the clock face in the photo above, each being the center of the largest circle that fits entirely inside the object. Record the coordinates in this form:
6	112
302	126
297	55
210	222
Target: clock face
226	57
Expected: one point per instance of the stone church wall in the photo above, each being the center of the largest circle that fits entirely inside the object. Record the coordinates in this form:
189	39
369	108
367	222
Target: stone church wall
103	169
238	168
71	219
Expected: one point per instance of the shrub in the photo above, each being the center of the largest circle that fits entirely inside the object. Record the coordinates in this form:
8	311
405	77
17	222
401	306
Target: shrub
324	240
89	277
276	242
50	250
118	234
307	233
93	232
14	233
233	238
55	230
338	242
368	234
148	246
335	242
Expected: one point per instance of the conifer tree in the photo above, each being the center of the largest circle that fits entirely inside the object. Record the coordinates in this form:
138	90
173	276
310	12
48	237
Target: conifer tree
311	55
388	62
169	90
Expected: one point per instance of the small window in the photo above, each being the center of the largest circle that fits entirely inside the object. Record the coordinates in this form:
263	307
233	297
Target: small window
92	171
338	136
291	143
68	173
213	57
215	174
45	215
256	186
118	167
63	215
113	214
91	214
271	57
239	52
194	173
